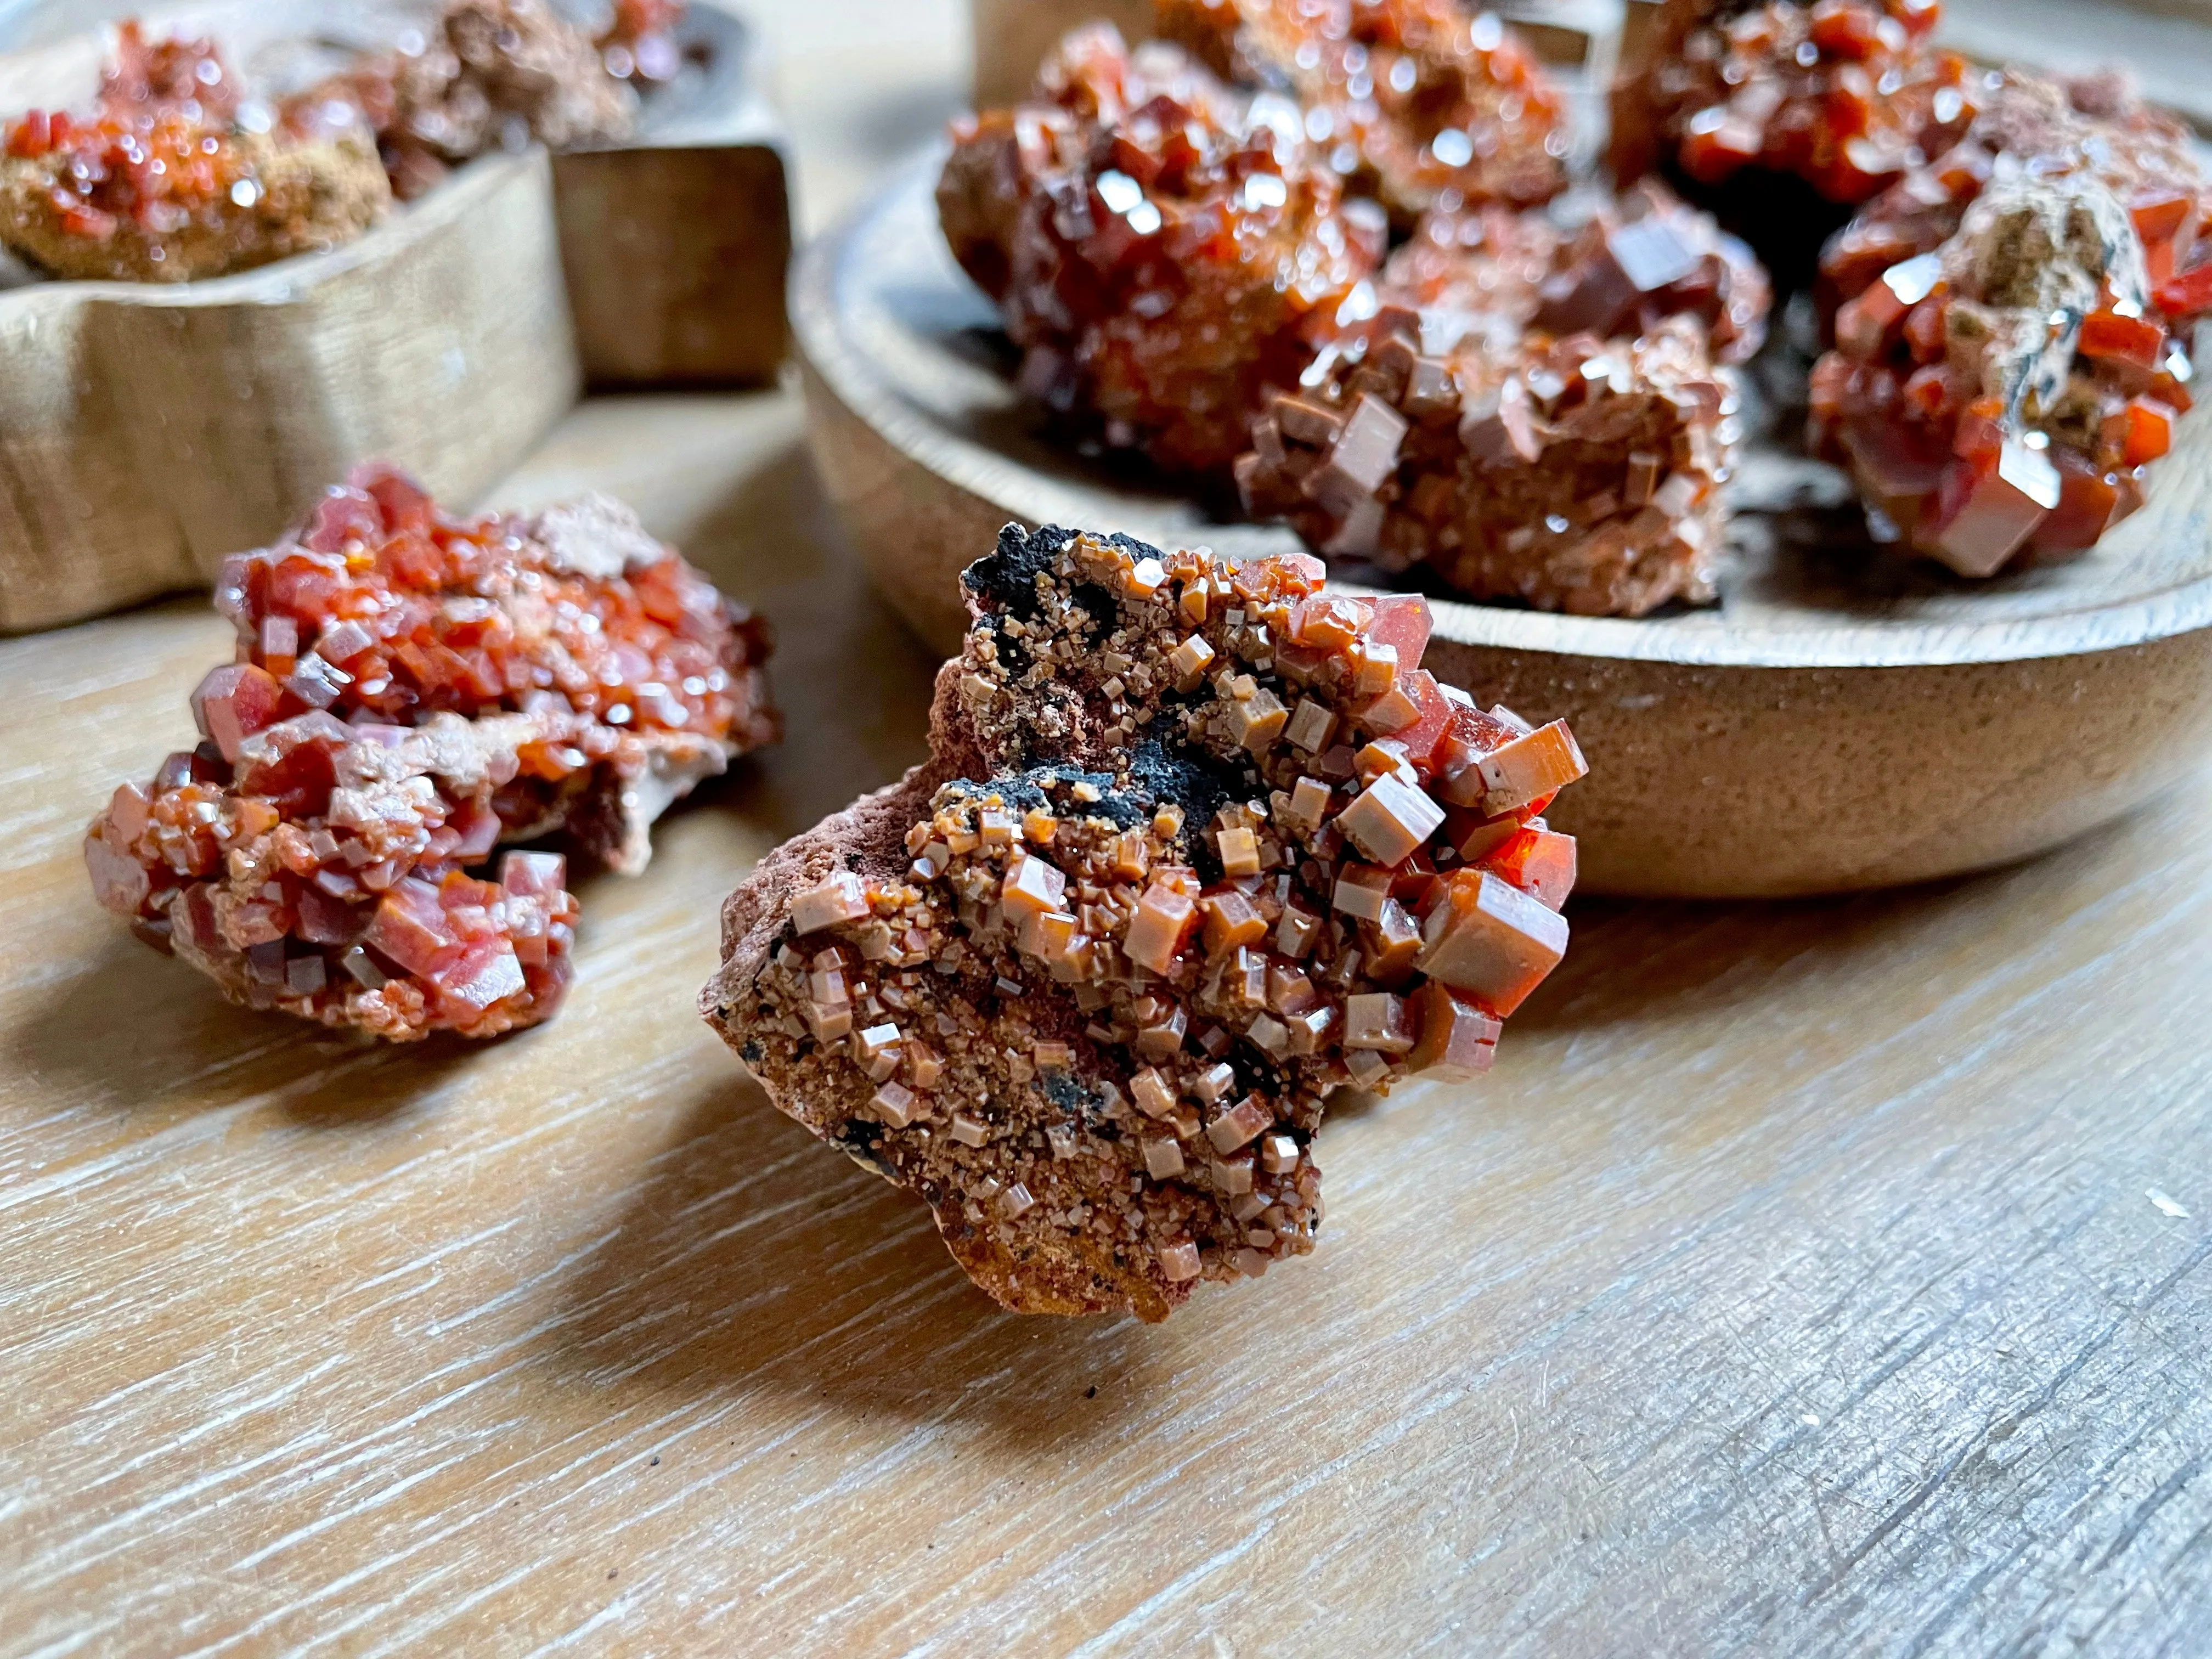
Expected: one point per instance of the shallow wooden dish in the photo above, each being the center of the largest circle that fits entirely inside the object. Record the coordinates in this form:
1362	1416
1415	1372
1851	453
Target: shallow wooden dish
1840	721
146	432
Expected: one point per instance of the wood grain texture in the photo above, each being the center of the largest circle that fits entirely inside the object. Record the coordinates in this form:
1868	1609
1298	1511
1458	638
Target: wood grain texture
1828	1277
1838	721
311	1349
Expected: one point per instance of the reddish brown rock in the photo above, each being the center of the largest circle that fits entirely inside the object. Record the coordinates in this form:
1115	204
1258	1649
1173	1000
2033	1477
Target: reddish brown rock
411	690
1195	847
492	75
1422	103
1578	471
170	180
1788	114
2012	326
1165	253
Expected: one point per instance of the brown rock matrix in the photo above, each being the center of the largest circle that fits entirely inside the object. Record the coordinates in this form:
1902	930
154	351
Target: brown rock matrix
1421	103
2012	324
1536	414
1166	252
174	176
1195	847
410	691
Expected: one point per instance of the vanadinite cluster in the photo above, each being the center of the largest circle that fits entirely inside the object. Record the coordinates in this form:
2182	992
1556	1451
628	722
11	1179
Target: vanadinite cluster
1536	413
498	74
1196	845
410	692
175	176
1532	405
2012	341
1164	250
2010	307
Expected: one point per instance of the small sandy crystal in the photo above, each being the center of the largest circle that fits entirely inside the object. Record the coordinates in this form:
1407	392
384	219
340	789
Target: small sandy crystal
1196	845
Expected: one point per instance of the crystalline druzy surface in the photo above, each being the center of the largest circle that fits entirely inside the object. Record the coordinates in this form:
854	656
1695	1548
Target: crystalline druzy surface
2012	326
172	178
1535	414
410	691
1165	252
1424	103
493	73
1197	846
636	677
1844	94
318	868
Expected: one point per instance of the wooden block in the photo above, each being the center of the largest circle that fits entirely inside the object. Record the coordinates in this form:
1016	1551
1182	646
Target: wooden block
1579	36
146	432
676	245
1013	36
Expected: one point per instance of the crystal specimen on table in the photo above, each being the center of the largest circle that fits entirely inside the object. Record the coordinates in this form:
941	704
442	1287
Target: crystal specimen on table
1422	103
2012	326
1165	252
1086	979
174	176
410	691
640	679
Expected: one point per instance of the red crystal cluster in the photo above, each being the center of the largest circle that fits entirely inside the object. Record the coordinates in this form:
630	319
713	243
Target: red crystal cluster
154	149
1535	414
1165	253
2011	326
164	181
494	74
1844	94
1420	102
1198	845
1536	403
411	690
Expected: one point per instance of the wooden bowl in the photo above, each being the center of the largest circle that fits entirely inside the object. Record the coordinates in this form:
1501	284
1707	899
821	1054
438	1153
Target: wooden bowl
147	431
1842	720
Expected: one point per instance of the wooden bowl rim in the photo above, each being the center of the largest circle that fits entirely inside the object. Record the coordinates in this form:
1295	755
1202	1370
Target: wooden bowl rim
823	276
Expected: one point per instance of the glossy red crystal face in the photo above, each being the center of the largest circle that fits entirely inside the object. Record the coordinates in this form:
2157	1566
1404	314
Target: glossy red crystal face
411	690
1979	454
385	607
1421	103
156	148
1845	94
1161	255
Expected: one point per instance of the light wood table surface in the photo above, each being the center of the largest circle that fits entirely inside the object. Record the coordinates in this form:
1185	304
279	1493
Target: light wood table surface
1830	1277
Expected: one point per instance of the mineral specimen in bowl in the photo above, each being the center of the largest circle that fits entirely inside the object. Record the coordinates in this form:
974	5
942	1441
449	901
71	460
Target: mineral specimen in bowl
411	690
2013	327
1164	250
1785	114
1196	845
1535	414
496	74
1423	104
